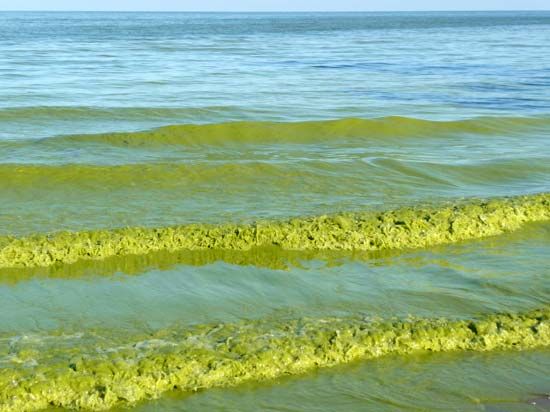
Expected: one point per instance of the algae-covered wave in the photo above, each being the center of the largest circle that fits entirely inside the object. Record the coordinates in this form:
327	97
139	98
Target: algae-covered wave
271	257
158	175
411	227
101	369
308	131
314	173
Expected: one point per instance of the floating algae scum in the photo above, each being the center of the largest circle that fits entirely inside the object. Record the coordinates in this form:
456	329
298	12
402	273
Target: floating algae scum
404	228
283	212
101	368
108	371
58	364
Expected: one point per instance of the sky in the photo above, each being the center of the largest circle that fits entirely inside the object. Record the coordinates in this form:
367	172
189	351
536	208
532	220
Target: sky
274	5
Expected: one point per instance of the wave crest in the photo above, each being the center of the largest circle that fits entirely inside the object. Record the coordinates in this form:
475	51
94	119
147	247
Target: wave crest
398	229
107	369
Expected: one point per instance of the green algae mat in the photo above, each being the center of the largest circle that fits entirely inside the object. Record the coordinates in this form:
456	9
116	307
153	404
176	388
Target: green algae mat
109	370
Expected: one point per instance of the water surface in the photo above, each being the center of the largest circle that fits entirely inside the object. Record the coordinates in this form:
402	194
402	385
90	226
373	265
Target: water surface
120	121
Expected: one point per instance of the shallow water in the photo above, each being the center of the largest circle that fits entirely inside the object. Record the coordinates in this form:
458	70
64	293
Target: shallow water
252	196
504	382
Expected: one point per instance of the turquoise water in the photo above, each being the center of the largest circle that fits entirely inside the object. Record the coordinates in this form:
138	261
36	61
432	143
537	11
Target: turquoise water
113	122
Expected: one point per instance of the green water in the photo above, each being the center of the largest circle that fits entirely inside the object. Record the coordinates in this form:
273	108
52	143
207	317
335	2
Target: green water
283	212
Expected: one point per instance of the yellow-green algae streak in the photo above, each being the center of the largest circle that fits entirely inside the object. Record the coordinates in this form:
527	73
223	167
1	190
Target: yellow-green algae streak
309	131
411	227
105	370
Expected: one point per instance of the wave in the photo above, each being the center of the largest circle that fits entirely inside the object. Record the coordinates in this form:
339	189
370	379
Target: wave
97	370
412	227
157	175
270	257
355	173
306	131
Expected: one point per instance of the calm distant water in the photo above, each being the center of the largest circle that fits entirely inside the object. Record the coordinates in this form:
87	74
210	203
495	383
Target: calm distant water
116	120
125	71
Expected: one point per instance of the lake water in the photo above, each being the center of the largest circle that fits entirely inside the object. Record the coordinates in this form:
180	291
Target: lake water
196	206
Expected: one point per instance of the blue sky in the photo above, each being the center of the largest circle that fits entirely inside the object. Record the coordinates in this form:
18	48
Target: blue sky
274	5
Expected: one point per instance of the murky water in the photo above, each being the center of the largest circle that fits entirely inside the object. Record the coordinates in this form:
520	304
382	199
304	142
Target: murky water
358	200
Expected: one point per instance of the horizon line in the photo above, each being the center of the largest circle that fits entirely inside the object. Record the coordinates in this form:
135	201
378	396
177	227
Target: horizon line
267	11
